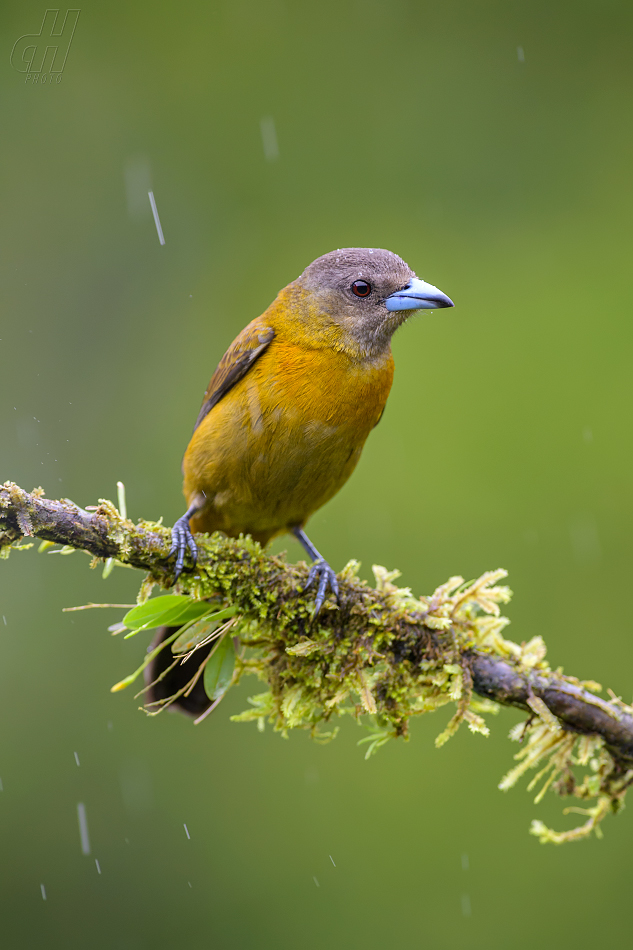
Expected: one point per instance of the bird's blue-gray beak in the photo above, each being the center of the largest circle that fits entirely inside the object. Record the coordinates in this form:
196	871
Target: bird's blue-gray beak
418	295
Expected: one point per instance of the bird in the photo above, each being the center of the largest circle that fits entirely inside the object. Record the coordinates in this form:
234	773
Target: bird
288	410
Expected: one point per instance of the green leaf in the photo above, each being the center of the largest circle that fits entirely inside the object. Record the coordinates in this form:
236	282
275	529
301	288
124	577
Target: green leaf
170	609
200	630
218	673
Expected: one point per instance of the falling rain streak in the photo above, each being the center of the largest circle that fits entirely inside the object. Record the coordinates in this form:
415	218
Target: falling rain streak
269	139
83	828
152	202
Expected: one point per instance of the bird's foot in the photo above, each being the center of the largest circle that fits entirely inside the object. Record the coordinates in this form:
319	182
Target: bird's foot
181	539
322	573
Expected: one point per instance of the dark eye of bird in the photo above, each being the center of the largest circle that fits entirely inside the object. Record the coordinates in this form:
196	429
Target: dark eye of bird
361	288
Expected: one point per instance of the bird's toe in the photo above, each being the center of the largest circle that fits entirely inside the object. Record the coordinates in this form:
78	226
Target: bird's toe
325	578
181	541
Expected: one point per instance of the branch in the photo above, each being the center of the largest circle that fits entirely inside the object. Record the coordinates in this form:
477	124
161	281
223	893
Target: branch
399	655
576	708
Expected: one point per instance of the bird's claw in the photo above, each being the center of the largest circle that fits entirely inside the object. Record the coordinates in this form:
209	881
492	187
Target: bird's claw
326	578
181	540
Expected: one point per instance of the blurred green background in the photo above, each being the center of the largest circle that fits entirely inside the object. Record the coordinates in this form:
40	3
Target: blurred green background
488	143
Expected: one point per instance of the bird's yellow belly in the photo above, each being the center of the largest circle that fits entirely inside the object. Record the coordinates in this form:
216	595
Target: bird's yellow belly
283	445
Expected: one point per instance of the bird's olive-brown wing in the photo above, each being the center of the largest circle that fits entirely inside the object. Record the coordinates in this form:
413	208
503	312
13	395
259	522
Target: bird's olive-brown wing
235	363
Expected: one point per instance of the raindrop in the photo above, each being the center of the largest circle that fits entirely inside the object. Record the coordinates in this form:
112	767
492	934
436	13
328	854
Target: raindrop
83	828
269	138
152	202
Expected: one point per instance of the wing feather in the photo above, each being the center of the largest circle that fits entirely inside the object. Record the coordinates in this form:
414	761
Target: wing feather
234	365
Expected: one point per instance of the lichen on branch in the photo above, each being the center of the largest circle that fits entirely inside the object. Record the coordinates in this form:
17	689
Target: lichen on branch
381	655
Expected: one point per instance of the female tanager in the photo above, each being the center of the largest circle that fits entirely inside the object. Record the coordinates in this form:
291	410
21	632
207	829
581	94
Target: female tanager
292	401
285	418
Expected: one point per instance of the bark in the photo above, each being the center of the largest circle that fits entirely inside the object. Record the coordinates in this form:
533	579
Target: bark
576	708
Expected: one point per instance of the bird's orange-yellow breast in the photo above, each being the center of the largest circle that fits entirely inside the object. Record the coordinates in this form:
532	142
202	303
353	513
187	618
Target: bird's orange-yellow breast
287	436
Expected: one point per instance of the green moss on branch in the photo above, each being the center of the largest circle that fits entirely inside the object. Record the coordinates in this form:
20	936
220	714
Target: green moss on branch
381	655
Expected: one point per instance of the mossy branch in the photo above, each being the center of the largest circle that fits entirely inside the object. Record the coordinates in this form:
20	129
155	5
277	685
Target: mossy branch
397	654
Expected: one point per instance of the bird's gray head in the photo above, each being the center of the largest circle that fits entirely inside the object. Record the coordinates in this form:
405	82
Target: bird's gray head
369	292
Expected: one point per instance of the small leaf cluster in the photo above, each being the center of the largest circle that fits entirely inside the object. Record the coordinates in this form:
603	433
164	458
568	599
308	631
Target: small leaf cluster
199	623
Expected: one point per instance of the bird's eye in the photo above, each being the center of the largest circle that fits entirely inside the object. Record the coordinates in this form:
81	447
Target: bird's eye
361	288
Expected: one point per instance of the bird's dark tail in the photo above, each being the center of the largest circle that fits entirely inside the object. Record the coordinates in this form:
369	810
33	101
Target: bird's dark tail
165	686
